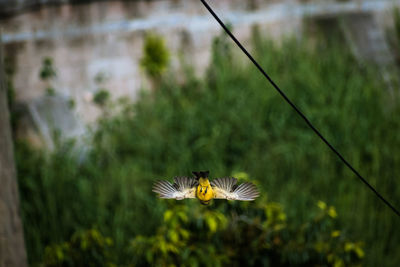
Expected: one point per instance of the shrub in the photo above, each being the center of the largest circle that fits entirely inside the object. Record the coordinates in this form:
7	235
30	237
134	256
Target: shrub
236	234
156	56
47	71
87	248
101	97
232	120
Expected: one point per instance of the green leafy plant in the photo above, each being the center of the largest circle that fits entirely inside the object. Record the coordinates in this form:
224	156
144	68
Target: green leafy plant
155	56
71	103
47	71
254	235
231	120
50	91
47	74
101	97
87	248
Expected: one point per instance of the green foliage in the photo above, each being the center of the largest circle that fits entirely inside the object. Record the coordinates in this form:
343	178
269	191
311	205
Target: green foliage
237	234
101	97
100	78
156	56
50	91
233	120
185	238
47	71
71	103
88	248
60	195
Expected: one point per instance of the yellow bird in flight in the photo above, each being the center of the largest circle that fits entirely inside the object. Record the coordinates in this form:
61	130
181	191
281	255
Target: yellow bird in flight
202	188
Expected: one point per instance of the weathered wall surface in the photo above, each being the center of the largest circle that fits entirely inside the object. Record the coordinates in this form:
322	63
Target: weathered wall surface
105	39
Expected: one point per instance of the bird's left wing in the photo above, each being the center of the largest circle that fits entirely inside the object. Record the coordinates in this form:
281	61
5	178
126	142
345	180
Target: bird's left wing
226	188
183	187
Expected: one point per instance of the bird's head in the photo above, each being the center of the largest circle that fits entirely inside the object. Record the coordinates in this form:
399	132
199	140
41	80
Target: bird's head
202	177
201	174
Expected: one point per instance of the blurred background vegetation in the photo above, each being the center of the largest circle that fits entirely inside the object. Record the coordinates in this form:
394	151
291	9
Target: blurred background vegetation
97	208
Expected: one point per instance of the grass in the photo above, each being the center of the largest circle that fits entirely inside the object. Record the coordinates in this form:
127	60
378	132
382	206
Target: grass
230	121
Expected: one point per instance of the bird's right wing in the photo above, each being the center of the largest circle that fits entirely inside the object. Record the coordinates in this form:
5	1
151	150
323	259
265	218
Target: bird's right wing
226	188
183	187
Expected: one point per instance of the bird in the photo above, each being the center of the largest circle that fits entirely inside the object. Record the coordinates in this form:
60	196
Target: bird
203	189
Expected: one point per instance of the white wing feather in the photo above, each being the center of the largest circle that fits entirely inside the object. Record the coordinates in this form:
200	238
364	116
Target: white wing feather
226	188
183	187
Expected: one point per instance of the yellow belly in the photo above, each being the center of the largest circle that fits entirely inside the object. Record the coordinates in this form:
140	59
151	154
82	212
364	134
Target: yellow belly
204	193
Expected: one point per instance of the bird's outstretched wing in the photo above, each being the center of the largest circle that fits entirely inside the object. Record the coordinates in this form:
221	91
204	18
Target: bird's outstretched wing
183	187
226	188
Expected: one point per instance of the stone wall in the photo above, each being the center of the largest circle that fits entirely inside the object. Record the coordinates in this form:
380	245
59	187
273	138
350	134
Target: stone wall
105	39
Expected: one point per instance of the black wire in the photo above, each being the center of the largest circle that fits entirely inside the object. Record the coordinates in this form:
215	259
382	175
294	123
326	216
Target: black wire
297	110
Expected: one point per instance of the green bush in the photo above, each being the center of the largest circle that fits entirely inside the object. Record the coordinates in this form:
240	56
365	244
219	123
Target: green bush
232	120
156	56
88	248
237	234
47	71
61	195
101	97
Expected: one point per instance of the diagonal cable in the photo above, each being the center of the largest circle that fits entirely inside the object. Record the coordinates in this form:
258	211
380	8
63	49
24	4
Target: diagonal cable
298	111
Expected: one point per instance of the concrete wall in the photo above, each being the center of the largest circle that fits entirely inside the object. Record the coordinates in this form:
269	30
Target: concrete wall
106	38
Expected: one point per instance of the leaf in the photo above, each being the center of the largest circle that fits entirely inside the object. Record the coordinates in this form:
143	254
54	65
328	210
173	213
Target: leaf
332	212
335	233
322	205
168	215
212	224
